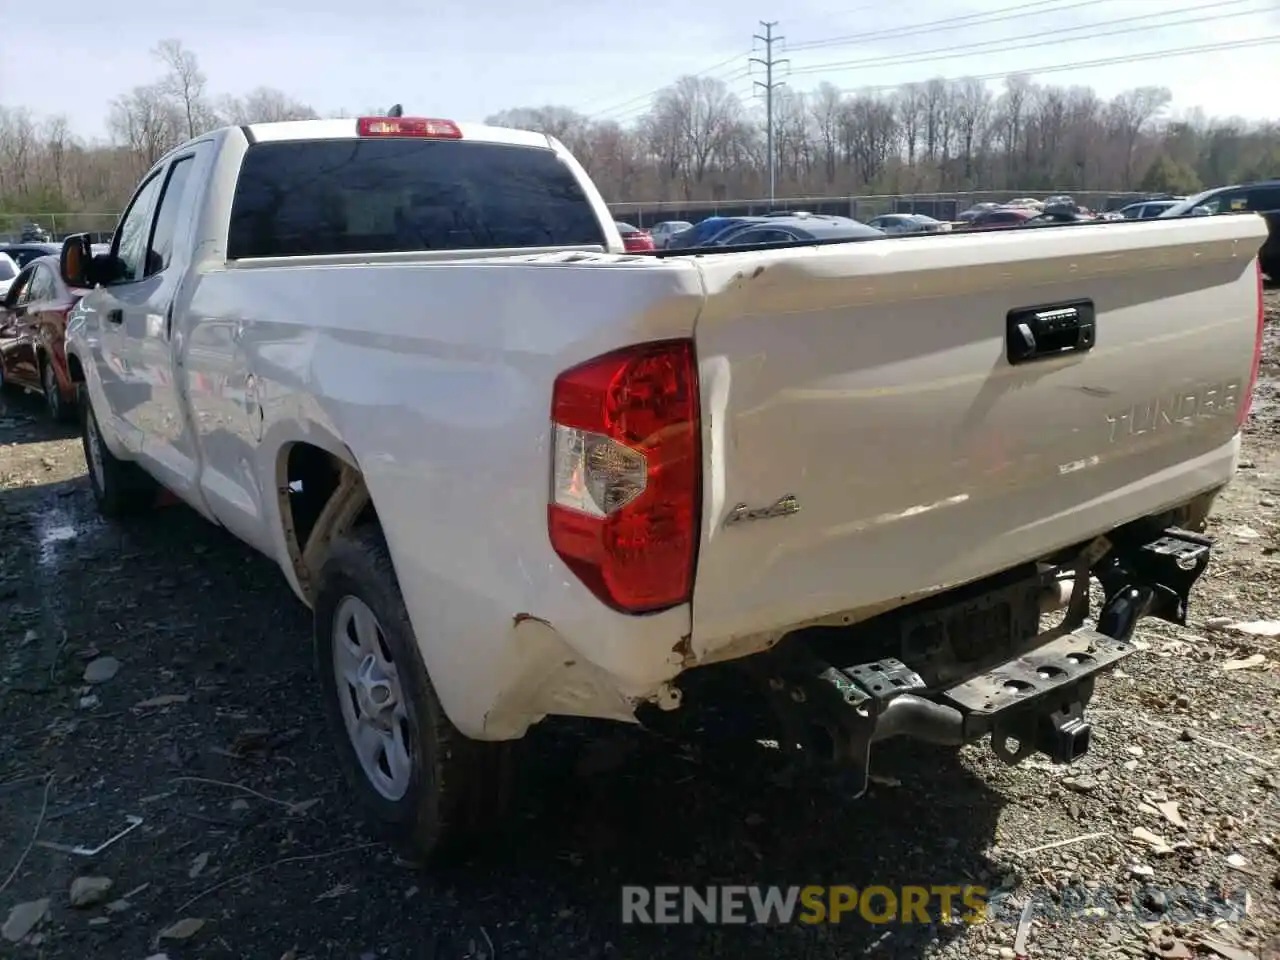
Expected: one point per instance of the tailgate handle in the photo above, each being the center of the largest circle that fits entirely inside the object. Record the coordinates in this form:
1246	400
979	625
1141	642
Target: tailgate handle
1051	330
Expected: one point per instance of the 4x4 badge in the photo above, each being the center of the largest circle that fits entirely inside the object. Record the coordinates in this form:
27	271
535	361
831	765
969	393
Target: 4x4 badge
783	507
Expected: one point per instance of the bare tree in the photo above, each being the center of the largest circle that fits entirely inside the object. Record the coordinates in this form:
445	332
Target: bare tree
911	107
697	143
147	122
263	105
705	113
973	118
1128	114
185	84
825	106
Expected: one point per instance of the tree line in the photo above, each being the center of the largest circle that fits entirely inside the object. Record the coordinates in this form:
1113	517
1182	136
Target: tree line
698	141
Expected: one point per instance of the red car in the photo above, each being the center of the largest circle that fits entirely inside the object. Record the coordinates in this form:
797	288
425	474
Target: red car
635	239
33	321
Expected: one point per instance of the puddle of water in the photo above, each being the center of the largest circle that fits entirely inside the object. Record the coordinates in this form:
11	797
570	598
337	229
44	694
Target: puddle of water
54	526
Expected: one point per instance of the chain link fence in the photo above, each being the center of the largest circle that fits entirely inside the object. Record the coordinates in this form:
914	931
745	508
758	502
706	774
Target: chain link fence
943	206
58	225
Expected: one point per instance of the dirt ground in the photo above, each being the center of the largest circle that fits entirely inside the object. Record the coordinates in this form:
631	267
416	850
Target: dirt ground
211	733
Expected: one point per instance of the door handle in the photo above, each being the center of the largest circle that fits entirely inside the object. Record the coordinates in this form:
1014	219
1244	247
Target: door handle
115	316
1052	330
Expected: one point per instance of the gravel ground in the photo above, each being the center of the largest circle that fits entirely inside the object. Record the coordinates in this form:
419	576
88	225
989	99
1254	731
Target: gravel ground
1167	834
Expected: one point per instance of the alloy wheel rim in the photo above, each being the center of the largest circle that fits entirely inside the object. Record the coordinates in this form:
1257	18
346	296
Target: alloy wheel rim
371	698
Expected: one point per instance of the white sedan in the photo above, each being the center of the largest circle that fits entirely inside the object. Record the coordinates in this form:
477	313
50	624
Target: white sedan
898	223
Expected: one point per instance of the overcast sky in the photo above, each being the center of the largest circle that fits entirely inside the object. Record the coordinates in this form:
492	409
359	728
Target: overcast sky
469	60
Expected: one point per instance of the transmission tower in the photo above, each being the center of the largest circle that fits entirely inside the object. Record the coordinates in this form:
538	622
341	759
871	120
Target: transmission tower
768	61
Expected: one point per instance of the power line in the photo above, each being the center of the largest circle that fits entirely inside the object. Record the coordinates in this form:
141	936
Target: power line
635	106
624	105
638	110
986	18
1030	40
769	62
1082	64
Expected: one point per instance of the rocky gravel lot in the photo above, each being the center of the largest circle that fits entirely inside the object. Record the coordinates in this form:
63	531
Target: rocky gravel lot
160	671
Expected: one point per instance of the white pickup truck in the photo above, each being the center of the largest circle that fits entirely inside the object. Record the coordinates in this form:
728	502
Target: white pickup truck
516	472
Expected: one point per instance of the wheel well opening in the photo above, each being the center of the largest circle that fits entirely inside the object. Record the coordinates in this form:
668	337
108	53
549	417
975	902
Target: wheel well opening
321	498
312	476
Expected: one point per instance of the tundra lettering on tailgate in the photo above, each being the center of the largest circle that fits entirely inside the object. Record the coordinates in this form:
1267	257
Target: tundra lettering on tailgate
1209	400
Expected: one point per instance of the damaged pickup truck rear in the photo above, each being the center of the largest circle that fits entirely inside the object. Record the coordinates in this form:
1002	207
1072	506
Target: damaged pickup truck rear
516	472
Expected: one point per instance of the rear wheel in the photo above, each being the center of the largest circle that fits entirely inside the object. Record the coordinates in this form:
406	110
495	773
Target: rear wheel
120	488
58	408
430	790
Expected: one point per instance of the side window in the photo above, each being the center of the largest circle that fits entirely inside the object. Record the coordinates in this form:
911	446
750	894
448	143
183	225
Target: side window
18	290
130	244
763	236
1234	202
160	251
1264	199
41	287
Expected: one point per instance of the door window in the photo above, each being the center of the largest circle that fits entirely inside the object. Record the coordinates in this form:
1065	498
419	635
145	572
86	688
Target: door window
1264	199
760	236
42	287
18	290
130	244
161	250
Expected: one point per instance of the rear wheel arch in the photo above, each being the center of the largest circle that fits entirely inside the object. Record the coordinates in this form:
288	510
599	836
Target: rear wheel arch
74	368
322	496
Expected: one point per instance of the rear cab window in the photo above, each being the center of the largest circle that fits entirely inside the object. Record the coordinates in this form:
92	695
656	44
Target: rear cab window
330	197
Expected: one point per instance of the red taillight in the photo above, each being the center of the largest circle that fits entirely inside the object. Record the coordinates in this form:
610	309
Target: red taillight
626	474
408	127
1247	403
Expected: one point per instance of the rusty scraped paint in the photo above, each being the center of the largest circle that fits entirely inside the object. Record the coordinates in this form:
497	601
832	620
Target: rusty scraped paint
684	649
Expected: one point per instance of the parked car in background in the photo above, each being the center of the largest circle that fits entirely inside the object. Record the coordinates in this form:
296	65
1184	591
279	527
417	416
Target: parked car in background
1001	218
8	270
1146	209
1262	197
24	253
791	229
968	216
704	231
664	231
635	239
33	323
900	223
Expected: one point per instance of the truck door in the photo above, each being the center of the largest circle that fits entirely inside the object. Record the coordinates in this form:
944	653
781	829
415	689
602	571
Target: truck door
155	258
125	391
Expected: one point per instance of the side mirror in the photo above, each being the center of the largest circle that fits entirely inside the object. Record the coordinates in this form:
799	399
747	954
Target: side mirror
74	262
80	267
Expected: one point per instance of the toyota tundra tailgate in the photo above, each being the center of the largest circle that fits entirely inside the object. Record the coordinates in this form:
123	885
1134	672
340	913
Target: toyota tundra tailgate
889	418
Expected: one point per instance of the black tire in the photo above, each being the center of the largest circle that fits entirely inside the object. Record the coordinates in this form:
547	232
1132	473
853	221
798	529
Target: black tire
59	409
1271	267
458	788
120	488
